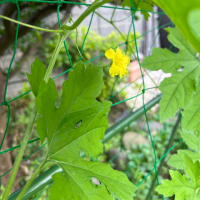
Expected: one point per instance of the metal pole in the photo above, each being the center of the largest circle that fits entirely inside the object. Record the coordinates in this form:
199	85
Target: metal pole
170	142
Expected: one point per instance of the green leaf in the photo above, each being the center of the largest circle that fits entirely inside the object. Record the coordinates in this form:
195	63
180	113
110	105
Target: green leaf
74	125
179	185
92	180
168	61
191	114
191	139
185	69
177	91
66	188
193	170
176	160
162	59
38	70
188	162
177	39
77	104
185	16
193	20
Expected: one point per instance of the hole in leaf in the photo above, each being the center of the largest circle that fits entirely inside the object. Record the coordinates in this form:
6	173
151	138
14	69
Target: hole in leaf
95	181
82	154
78	124
180	69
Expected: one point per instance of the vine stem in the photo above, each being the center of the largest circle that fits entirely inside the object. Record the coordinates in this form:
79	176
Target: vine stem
90	9
29	182
32	26
54	57
19	156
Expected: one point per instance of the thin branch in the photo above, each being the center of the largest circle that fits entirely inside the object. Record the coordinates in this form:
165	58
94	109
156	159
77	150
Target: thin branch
31	26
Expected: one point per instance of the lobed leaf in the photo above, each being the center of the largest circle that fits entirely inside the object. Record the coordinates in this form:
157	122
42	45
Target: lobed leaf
81	174
185	16
191	114
177	91
74	125
184	66
162	59
179	186
38	70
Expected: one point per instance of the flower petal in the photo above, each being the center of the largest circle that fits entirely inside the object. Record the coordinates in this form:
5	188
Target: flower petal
110	53
119	52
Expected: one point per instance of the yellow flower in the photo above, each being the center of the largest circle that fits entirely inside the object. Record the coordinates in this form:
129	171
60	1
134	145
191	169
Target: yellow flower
120	62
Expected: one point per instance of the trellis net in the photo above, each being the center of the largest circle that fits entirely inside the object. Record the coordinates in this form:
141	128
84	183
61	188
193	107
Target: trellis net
141	93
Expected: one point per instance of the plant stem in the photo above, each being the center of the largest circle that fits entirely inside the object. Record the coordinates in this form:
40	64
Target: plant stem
19	156
54	57
32	26
29	182
90	9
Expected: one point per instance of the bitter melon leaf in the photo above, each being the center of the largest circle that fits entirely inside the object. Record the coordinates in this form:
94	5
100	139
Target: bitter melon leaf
177	39
81	175
193	20
191	138
168	61
183	187
176	160
192	169
185	16
195	156
191	115
180	87
77	111
177	91
179	185
38	70
162	59
65	187
74	126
